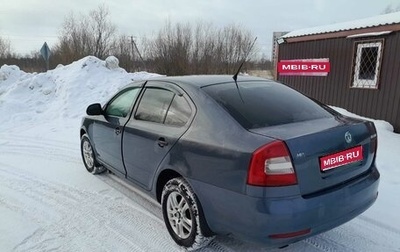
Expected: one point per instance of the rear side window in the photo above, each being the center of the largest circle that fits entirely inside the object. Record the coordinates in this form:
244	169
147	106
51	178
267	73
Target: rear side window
265	104
179	112
154	105
163	106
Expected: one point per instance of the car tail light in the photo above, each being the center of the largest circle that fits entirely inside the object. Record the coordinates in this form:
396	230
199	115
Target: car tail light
271	165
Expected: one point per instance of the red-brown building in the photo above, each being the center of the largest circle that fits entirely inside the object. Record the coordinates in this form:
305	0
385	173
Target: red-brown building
364	57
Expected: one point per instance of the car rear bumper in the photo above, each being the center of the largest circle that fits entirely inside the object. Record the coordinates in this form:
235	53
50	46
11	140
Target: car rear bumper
256	218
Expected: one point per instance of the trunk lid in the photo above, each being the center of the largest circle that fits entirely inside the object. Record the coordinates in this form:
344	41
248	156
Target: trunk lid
326	152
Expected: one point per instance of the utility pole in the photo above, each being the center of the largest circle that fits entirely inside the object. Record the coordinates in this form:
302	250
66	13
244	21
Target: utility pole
133	53
133	44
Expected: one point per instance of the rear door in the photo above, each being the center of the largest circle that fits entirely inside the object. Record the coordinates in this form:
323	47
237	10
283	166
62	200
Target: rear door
160	119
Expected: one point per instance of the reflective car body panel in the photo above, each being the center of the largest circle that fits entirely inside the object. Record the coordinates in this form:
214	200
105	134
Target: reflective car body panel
206	129
261	212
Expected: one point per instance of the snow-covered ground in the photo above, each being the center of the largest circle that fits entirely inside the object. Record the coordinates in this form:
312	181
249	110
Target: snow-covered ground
48	202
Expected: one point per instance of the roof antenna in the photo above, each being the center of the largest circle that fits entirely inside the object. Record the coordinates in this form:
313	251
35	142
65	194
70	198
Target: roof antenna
240	67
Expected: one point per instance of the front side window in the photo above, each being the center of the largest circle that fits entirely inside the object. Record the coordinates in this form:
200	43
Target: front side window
154	105
122	103
367	64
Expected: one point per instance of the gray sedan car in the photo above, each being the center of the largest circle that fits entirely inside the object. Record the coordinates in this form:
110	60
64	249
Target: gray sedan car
252	158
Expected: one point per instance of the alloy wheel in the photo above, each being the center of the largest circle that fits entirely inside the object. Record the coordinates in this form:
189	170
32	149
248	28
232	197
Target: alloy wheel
88	154
179	215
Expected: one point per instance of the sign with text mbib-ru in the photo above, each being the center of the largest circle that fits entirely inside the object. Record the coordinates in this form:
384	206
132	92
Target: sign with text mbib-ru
304	67
341	158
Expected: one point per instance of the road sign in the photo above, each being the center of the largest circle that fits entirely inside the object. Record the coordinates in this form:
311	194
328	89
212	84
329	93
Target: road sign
45	52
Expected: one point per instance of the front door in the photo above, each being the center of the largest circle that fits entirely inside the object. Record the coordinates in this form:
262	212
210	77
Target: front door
107	132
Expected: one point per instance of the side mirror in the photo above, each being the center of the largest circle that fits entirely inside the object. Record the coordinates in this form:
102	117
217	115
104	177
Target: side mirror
94	109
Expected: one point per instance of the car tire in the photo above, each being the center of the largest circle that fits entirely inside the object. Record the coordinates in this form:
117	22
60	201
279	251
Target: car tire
183	215
88	156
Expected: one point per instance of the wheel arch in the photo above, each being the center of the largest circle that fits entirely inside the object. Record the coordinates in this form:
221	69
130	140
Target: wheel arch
162	179
82	132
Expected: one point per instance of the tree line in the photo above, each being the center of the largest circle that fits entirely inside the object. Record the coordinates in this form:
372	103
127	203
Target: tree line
177	49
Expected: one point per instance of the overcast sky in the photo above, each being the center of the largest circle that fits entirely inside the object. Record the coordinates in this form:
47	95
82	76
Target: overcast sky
29	23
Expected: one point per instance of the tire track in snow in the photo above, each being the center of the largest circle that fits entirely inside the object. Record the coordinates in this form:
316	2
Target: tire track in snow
383	226
38	147
82	214
325	244
41	148
72	219
151	205
376	235
358	235
60	199
48	155
24	138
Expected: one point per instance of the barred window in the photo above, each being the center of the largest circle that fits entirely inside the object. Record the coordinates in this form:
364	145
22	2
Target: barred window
367	64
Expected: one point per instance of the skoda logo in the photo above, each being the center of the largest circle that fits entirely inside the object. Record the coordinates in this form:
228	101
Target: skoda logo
347	137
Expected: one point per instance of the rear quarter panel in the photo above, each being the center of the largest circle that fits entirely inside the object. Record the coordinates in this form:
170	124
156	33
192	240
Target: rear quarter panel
215	149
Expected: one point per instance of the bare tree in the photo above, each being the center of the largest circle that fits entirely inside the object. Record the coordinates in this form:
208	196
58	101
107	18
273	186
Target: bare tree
81	36
170	50
74	39
205	57
122	49
233	44
390	9
103	31
198	49
5	48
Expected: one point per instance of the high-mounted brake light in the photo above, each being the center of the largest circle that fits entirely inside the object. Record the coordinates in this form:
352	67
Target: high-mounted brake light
271	165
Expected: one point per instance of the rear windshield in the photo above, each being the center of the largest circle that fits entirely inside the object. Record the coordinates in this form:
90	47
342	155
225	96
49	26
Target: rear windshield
265	104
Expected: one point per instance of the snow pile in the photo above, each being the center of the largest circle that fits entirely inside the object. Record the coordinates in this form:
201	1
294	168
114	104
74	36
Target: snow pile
381	126
112	62
62	93
9	75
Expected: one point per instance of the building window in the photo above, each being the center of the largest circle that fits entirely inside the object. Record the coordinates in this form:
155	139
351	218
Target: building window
367	64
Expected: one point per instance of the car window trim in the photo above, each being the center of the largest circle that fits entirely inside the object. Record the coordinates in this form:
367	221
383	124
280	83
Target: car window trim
169	106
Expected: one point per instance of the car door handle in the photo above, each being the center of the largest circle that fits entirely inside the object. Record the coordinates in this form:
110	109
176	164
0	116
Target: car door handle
117	130
162	142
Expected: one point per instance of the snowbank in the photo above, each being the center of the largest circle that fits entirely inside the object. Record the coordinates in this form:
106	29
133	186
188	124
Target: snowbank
112	62
62	93
379	124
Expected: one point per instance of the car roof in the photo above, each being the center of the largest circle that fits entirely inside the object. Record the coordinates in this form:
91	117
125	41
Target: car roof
206	80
